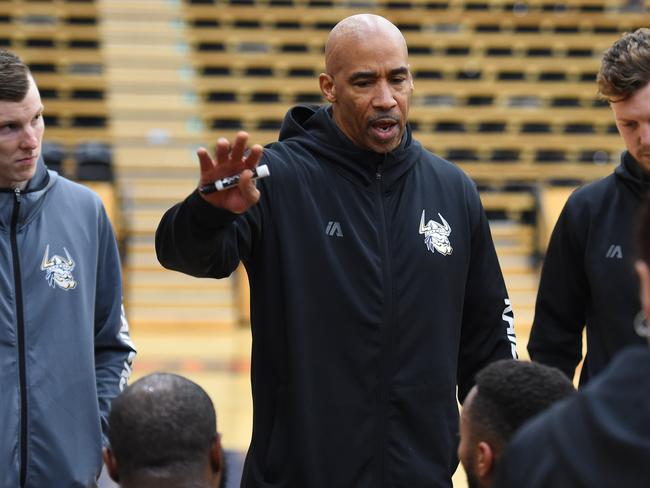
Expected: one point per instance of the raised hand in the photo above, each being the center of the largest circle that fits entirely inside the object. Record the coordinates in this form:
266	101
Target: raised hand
231	161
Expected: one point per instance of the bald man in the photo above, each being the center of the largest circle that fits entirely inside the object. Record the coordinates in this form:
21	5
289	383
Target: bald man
375	287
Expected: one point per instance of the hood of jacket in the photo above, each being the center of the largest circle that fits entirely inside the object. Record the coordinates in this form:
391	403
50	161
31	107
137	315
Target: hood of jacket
632	175
314	128
31	198
605	432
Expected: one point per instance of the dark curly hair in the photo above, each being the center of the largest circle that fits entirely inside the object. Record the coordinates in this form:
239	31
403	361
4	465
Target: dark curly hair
508	394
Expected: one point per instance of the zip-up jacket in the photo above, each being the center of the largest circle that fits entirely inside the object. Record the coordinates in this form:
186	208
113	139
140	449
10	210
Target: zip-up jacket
375	291
64	345
588	276
598	438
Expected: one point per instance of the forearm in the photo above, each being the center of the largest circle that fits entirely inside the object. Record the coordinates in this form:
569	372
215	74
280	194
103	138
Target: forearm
198	239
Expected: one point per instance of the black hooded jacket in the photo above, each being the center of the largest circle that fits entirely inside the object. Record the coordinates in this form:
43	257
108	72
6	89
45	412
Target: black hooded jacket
597	438
361	331
588	276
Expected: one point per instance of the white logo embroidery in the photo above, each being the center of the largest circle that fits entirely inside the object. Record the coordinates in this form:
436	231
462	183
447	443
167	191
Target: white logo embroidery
58	271
509	319
614	251
334	229
436	236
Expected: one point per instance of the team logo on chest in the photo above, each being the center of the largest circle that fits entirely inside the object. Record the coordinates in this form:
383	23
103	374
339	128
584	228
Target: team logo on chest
58	271
436	236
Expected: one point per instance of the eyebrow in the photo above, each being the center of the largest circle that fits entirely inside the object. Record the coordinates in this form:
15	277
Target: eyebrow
3	122
363	75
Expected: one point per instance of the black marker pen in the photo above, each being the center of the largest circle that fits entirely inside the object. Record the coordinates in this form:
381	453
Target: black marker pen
230	181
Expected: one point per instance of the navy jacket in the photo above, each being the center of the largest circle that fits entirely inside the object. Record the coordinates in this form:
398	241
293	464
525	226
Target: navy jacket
588	276
65	350
375	291
597	438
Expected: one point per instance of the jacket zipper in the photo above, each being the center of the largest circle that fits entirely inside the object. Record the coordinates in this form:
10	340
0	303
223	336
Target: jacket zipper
385	361
20	326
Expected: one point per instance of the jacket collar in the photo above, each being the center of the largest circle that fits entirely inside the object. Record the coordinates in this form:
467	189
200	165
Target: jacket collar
632	175
315	128
32	197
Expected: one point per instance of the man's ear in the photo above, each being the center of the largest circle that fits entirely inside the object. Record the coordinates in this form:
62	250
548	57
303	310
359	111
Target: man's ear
484	460
327	88
216	455
111	464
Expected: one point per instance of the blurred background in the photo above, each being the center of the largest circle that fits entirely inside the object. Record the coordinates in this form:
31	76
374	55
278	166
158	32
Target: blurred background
505	89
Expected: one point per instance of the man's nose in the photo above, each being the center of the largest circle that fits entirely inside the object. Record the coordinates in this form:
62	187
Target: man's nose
644	134
384	96
29	139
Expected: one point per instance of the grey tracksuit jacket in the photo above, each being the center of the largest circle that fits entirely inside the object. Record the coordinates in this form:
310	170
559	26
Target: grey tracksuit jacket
65	350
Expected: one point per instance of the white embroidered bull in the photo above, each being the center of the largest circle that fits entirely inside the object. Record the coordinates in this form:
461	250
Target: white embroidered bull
436	236
58	271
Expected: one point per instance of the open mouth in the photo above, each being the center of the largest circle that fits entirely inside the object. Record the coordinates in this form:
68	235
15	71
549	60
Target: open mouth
385	128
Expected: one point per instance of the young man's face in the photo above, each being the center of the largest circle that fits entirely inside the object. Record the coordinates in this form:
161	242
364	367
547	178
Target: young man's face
21	135
371	92
633	122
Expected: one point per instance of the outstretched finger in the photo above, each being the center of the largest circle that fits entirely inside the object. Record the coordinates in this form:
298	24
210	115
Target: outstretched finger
238	148
254	156
222	150
205	161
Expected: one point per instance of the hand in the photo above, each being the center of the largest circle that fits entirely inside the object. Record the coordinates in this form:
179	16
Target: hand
231	161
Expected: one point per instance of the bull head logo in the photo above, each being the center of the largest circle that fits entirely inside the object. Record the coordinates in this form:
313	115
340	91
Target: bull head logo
436	236
58	271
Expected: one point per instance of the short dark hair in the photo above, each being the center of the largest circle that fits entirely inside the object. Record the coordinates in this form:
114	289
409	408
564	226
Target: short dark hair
14	77
161	424
625	67
508	394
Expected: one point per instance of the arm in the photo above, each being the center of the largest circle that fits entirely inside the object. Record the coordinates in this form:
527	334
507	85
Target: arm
205	235
488	332
114	351
556	335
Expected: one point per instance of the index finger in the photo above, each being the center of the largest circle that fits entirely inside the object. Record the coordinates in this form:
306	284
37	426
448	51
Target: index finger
205	161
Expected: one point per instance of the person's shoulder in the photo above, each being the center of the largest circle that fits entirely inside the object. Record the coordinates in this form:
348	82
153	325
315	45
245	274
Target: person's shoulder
82	196
625	374
442	167
593	192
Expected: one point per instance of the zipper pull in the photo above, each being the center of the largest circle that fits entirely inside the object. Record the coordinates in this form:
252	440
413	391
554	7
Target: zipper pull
17	194
378	174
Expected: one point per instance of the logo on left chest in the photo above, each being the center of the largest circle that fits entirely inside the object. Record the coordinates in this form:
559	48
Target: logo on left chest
436	235
58	271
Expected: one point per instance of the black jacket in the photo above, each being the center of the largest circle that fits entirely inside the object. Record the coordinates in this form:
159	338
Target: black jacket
588	276
360	332
599	437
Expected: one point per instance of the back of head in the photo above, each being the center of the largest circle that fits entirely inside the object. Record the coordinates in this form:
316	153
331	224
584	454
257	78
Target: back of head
161	425
14	77
625	67
508	394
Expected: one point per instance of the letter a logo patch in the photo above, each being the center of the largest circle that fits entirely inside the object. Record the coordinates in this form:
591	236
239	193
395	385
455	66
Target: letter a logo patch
614	252
334	229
